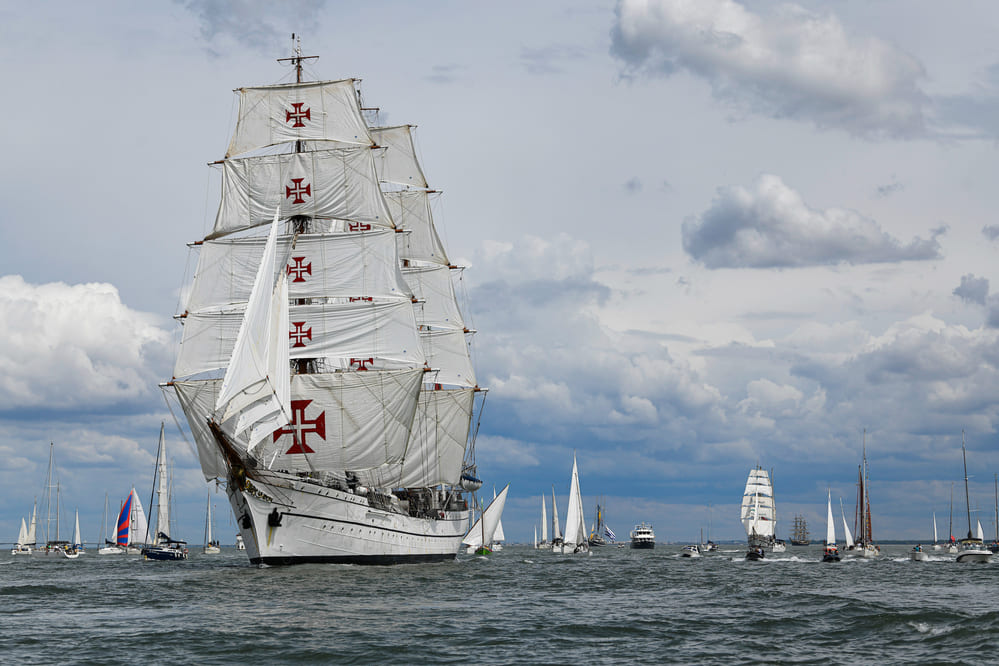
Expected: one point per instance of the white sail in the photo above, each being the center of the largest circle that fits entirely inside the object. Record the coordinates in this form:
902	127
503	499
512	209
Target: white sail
830	526
446	352
139	525
346	334
432	286
162	491
359	265
846	530
758	511
437	442
485	526
544	522
575	527
77	541
331	184
322	111
22	535
498	534
32	526
255	394
556	531
980	533
397	163
410	210
935	527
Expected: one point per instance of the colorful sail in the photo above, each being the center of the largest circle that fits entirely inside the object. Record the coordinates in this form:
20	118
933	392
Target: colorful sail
124	522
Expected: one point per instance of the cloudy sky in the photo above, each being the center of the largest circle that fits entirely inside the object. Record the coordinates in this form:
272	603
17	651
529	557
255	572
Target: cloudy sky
701	235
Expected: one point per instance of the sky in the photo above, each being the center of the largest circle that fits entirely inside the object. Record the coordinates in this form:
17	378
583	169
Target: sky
700	236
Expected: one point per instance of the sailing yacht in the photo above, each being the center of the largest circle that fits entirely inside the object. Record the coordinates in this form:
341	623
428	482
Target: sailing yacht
596	537
544	527
936	541
556	544
574	540
498	536
162	546
830	553
211	544
972	548
324	366
26	536
481	537
864	541
53	546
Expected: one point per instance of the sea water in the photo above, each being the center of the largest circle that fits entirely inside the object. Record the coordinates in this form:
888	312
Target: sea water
517	606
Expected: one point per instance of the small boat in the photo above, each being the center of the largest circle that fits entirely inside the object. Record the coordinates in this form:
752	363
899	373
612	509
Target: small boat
498	536
574	540
163	547
239	542
556	544
643	537
544	527
972	548
755	554
917	554
211	545
25	536
831	552
690	551
596	537
480	537
936	542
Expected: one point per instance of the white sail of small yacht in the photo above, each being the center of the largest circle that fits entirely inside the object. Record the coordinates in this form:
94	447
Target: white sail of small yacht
498	536
936	539
544	526
211	546
831	552
21	547
575	538
847	537
483	530
325	372
971	548
556	531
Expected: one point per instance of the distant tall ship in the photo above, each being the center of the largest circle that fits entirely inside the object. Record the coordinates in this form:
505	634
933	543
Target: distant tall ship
324	368
799	532
759	514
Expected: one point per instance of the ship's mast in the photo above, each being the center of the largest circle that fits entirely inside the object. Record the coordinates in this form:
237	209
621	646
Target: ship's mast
967	498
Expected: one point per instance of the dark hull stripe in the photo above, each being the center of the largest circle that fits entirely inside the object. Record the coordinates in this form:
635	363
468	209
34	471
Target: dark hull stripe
353	559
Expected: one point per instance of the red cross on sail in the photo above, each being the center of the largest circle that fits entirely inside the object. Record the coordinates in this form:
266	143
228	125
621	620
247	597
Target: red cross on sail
299	269
298	115
300	427
298	190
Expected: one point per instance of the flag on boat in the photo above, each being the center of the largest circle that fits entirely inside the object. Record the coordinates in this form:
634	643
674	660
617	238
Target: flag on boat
610	533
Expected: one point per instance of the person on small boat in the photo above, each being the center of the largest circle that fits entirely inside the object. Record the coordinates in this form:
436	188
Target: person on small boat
918	548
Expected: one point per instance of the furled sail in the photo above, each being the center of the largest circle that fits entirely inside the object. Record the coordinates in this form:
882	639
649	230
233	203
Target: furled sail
339	184
321	111
398	163
359	265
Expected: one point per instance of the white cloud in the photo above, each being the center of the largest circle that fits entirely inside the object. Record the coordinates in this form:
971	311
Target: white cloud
770	226
792	63
76	346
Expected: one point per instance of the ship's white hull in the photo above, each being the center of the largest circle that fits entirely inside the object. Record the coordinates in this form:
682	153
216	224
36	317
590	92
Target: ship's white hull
284	520
918	556
974	555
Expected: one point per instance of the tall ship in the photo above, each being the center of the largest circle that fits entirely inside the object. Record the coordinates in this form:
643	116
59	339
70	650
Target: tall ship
324	365
759	513
864	542
799	532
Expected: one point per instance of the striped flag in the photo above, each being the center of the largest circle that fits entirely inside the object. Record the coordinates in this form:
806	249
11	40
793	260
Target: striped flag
610	533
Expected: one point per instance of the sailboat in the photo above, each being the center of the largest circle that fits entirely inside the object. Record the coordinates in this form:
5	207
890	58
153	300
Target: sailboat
759	515
25	536
951	542
799	532
972	548
575	539
596	537
498	536
556	532
162	546
830	553
106	545
936	540
53	546
324	367
544	527
847	537
75	548
482	534
211	545
864	546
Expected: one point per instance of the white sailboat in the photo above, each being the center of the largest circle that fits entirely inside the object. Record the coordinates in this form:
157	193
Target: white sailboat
357	453
847	537
556	531
498	536
54	545
972	548
544	527
575	538
936	540
160	545
831	552
211	544
26	536
482	534
105	545
759	514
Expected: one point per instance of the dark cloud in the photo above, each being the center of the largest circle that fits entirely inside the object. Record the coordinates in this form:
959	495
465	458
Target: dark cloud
770	226
991	231
790	63
972	289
